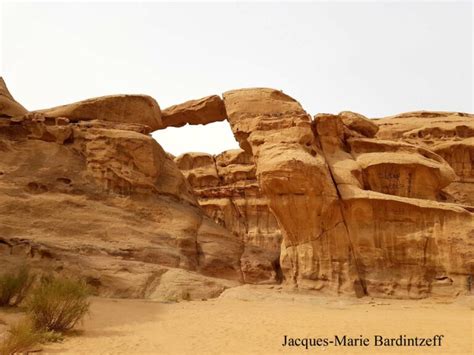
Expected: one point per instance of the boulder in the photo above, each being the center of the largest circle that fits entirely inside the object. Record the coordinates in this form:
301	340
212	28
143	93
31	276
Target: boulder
359	123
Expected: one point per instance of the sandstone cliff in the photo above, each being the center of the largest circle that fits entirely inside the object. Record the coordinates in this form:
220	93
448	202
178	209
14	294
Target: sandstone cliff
358	214
228	192
334	203
448	134
100	198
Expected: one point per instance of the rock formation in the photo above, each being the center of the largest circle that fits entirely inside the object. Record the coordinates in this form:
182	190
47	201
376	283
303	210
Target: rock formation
334	203
398	229
135	109
8	106
448	134
357	214
206	110
101	199
228	192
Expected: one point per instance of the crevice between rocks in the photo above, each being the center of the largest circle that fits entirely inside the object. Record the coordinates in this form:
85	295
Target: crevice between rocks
359	285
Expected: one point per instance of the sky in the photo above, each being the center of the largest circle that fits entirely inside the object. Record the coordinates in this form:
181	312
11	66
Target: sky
375	58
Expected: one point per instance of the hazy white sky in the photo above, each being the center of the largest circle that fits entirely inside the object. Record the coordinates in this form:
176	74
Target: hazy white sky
376	58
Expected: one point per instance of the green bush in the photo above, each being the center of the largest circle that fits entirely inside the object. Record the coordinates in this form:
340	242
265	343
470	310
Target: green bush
58	304
13	287
21	337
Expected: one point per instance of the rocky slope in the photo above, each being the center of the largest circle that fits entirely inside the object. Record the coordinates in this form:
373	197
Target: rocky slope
334	203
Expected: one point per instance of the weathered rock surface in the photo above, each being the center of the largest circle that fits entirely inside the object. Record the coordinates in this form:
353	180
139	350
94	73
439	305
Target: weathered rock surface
202	111
359	123
227	190
448	134
134	109
8	106
406	243
104	201
293	174
357	214
338	203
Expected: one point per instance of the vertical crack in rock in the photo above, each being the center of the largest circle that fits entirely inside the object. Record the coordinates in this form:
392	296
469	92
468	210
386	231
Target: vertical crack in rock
389	192
293	175
360	288
379	207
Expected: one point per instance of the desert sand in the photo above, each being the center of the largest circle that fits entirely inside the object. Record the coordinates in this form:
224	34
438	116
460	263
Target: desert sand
253	320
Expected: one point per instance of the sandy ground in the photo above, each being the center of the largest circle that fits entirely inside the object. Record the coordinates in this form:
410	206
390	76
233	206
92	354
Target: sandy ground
254	320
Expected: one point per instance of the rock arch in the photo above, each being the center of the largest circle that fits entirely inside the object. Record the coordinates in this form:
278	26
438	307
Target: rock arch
321	176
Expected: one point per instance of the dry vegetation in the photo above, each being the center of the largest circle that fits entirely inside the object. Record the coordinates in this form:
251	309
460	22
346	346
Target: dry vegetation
14	287
53	307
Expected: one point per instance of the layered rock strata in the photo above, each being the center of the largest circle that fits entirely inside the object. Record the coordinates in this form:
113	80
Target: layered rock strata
293	174
101	199
338	203
406	242
228	192
134	109
358	214
448	134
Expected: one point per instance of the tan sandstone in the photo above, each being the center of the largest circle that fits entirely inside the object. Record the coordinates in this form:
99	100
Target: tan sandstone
337	204
135	109
357	214
202	111
228	192
102	200
8	106
449	134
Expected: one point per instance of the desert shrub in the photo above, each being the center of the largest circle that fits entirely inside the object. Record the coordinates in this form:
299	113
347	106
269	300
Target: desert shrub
57	304
21	337
14	286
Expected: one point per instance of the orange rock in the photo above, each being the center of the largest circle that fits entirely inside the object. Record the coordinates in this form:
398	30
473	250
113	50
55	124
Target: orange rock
359	123
358	214
227	190
338	204
294	176
103	201
449	134
132	109
202	111
8	106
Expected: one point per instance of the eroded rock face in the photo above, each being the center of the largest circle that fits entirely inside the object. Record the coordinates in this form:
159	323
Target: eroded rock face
102	200
338	203
228	192
294	176
358	214
448	134
406	242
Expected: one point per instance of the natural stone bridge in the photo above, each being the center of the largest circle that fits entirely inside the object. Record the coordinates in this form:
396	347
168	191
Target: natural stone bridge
366	207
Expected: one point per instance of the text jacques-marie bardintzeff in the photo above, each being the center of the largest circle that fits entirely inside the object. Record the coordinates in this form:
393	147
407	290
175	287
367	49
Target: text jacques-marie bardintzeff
362	341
